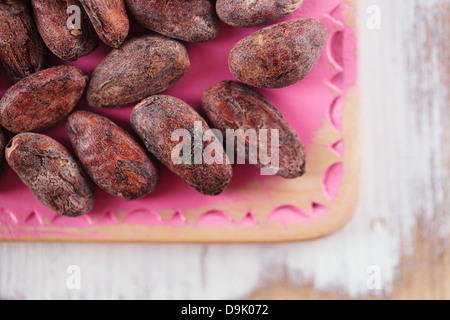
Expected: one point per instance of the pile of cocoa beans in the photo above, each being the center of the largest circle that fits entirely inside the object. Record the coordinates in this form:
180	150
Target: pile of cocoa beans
136	71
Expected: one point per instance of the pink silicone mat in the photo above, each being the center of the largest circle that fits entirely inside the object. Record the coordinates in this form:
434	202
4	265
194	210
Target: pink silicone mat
254	207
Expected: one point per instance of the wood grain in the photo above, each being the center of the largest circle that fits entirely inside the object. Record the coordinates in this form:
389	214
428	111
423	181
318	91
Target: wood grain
406	170
318	214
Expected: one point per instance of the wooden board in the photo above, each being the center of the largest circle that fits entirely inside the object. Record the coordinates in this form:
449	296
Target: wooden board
312	206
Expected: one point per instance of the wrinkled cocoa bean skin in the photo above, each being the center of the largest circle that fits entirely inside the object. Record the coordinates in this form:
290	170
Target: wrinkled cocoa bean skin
110	20
142	67
43	99
22	51
187	20
155	119
280	55
231	105
111	157
246	14
51	173
67	44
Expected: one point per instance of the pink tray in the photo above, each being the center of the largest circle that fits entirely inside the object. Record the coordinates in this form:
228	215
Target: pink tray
322	108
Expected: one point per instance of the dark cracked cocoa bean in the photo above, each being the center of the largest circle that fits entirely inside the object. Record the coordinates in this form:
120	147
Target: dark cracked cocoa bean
42	100
65	28
245	14
160	120
232	106
111	157
110	20
142	67
22	51
280	55
191	21
51	173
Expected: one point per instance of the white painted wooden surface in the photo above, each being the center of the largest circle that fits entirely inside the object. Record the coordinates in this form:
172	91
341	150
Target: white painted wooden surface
404	123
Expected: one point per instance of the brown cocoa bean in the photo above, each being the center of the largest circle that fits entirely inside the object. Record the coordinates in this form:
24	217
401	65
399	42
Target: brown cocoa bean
110	20
245	14
111	157
42	100
67	33
232	106
158	118
51	173
280	55
22	51
142	67
191	21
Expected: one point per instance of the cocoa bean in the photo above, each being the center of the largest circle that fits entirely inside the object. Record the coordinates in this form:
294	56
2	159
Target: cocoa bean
110	20
157	119
245	14
142	67
65	28
191	21
233	106
280	55
51	173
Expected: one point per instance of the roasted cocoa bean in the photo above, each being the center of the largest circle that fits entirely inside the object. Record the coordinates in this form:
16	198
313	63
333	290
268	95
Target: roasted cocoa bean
161	122
280	55
232	106
141	67
111	157
22	51
245	14
42	100
191	21
110	20
52	174
65	28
